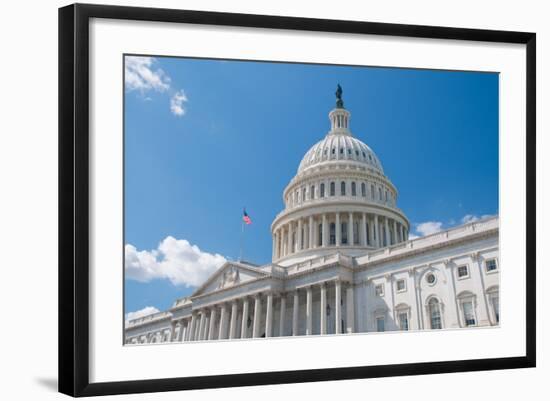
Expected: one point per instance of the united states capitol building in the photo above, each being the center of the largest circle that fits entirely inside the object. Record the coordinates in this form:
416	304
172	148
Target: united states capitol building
342	262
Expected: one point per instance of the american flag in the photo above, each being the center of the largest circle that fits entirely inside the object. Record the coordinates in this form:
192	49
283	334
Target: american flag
246	218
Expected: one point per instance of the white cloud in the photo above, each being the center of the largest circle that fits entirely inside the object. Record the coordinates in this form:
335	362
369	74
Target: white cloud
470	218
176	103
176	260
140	74
429	227
413	236
148	310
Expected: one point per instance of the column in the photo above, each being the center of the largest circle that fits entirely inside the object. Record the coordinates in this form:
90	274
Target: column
295	311
289	249
257	312
222	335
377	242
311	235
309	311
350	230
324	230
363	236
173	330
403	233
483	315
386	231
181	325
350	309
299	236
201	325
282	316
274	247
191	327
211	329
323	309
233	321
269	316
454	322
395	241
244	324
337	307
338	230
283	242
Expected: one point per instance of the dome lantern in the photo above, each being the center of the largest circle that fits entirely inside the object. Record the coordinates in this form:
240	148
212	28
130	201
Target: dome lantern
339	117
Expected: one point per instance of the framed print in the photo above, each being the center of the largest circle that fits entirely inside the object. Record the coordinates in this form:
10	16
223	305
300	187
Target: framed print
279	199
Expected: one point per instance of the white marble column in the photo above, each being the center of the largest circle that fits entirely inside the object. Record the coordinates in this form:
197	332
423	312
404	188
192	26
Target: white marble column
377	242
295	310
201	325
323	314
338	230
483	310
350	310
222	335
299	236
274	251
338	306
244	323
351	241
181	326
213	316
386	231
363	231
191	329
395	240
324	230
173	330
233	321
311	233
309	311
269	316
282	316
289	249
257	314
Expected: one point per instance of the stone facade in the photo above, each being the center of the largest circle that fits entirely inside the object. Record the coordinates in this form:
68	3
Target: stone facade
342	263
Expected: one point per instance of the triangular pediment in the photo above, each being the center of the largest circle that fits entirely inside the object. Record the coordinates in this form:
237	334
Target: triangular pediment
229	275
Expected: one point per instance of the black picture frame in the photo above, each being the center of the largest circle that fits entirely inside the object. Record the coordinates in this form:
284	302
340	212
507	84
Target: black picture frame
74	198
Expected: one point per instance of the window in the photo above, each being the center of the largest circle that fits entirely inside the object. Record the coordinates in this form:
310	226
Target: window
403	319
356	233
344	232
322	194
353	189
468	310
333	151
462	271
320	235
364	154
490	265
312	192
379	290
356	153
349	151
341	151
380	323
363	189
379	193
435	314
496	307
332	189
386	196
430	278
343	188
400	285
332	236
325	152
303	194
372	191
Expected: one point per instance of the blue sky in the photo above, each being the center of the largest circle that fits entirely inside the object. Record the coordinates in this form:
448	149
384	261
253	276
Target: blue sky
203	138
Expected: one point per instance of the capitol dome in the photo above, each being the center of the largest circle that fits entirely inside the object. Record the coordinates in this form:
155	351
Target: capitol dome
339	200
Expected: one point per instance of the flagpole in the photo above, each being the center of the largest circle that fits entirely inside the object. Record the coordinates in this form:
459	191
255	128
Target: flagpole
242	240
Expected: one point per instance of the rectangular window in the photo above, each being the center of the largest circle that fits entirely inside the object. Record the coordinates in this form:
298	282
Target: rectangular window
403	321
496	308
468	310
462	271
401	285
379	289
380	323
490	265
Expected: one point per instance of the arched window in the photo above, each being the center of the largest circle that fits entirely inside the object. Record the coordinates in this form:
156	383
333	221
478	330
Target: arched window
312	192
353	189
344	232
343	188
332	189
332	236
434	309
320	235
363	189
322	191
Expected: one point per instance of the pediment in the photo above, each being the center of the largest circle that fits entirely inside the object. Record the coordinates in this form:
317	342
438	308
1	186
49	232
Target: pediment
229	275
